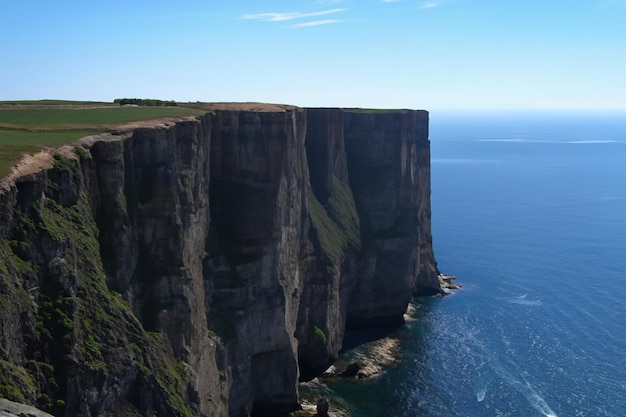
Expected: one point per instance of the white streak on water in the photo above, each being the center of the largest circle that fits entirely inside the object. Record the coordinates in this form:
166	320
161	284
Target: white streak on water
460	161
488	364
522	300
591	141
526	389
480	395
548	141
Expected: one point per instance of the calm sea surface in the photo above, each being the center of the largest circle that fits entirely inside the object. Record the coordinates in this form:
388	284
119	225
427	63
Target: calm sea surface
529	212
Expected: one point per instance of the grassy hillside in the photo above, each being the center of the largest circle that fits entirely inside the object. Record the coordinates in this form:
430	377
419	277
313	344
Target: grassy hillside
28	126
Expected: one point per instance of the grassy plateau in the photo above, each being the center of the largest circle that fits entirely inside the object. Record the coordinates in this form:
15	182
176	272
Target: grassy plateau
28	126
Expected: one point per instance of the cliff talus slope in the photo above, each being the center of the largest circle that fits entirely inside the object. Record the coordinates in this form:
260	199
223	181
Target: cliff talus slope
203	267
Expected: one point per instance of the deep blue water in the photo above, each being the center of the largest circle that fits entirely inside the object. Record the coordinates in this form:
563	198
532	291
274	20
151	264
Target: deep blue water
529	212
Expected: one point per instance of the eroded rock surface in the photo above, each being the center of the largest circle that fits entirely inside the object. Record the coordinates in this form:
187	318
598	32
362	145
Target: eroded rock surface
13	409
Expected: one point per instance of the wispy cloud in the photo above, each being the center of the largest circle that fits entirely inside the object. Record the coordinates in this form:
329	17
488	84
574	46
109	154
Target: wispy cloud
391	1
315	23
429	4
613	3
280	17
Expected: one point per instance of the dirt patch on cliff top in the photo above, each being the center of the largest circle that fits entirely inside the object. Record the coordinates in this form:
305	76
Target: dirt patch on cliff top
31	164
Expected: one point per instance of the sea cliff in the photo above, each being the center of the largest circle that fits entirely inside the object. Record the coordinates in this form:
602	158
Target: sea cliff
205	265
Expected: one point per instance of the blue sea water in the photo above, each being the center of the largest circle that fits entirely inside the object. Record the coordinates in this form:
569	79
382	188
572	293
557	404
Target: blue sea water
529	212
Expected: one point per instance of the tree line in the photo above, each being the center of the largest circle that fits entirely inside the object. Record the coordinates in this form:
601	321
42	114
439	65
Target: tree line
144	102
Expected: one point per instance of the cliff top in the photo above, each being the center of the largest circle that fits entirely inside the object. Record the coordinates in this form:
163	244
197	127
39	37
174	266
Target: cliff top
27	127
31	131
27	163
270	107
245	106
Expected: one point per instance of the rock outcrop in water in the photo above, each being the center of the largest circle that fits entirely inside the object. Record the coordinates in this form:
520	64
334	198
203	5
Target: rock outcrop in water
205	266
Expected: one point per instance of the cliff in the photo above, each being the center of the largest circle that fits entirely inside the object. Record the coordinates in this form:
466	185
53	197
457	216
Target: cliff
204	266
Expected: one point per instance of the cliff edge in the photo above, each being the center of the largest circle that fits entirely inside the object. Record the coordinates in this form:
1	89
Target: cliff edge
205	265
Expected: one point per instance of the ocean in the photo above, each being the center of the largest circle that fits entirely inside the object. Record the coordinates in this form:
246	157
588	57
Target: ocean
529	212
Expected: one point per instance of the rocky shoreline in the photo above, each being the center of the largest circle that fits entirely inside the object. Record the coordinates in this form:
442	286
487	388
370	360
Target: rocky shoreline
447	283
370	362
363	364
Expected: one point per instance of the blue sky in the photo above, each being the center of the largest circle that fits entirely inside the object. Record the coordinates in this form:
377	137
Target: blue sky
434	54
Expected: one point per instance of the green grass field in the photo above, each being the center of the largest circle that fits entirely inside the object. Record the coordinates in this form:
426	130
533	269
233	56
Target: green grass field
28	126
33	103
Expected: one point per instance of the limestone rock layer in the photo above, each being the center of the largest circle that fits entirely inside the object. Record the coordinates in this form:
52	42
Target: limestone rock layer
204	267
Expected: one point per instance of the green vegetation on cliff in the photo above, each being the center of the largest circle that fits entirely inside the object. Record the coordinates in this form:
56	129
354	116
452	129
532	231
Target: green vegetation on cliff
336	222
319	333
81	332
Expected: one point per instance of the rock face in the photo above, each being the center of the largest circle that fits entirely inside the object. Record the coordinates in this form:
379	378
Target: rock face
12	409
204	267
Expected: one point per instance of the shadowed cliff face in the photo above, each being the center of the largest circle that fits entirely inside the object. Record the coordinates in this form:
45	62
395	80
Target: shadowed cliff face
257	192
389	167
204	267
334	248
